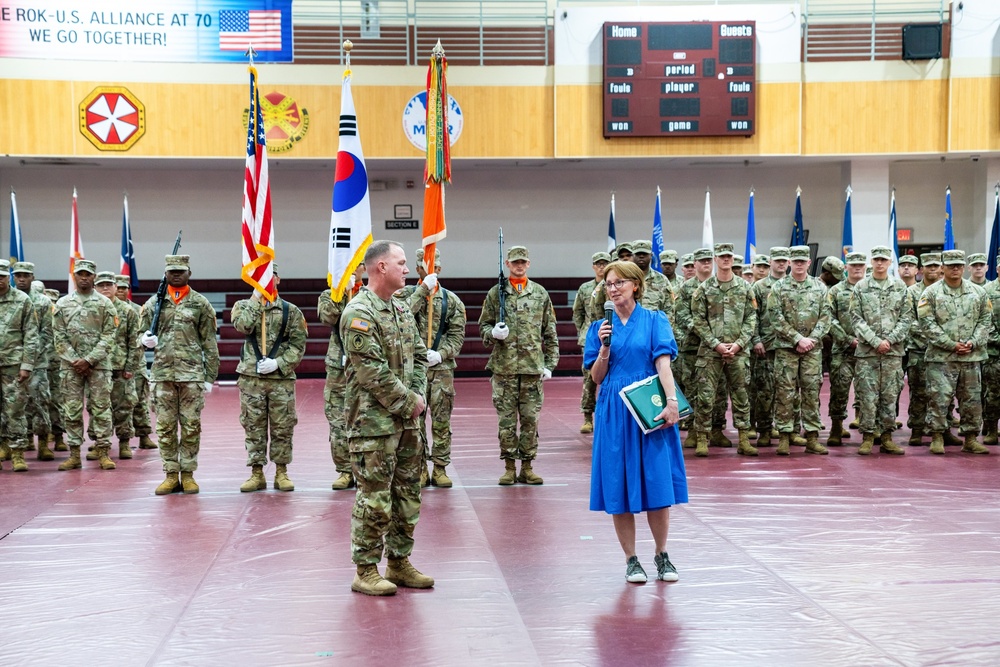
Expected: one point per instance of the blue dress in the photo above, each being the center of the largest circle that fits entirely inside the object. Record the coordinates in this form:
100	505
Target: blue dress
632	472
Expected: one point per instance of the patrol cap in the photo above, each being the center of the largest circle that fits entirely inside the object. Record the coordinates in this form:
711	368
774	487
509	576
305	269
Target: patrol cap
621	247
105	277
517	252
274	267
974	258
28	267
930	258
762	260
687	259
53	294
4	266
797	252
702	253
600	257
908	259
668	257
642	246
748	269
881	252
855	258
420	255
952	257
121	280
834	265
81	265
723	249
779	252
178	263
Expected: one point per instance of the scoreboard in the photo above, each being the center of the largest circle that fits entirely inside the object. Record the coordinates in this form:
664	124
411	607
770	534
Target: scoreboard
680	79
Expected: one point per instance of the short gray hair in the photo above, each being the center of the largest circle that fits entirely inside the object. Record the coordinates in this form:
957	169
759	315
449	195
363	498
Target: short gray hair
379	249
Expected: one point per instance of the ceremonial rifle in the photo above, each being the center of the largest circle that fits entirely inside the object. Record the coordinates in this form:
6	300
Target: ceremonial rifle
161	291
500	286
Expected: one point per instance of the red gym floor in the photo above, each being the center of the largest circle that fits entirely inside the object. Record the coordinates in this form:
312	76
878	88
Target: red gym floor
809	560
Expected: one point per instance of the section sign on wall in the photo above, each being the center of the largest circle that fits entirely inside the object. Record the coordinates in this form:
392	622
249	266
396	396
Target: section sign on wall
148	31
680	79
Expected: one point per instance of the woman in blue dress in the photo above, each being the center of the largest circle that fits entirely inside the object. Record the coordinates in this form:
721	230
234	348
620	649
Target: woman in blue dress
632	472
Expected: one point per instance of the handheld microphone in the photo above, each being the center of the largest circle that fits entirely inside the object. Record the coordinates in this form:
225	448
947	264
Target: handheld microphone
609	309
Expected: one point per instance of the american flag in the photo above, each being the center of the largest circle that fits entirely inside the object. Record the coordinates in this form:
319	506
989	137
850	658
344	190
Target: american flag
258	235
259	27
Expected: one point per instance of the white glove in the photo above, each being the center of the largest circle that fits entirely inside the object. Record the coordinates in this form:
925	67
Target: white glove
208	387
430	281
500	331
546	374
352	281
433	357
267	365
149	340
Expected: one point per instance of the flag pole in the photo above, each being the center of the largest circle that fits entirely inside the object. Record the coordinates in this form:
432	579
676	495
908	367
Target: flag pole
437	169
252	120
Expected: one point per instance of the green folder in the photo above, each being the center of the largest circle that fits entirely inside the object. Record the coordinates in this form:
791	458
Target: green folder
645	400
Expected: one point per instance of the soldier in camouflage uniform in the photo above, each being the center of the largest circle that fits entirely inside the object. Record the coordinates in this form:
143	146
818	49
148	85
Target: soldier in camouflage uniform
38	409
724	318
659	293
977	269
525	351
668	265
142	427
185	364
125	358
55	414
386	384
738	265
276	334
800	316
84	327
623	252
447	335
991	369
18	351
764	344
844	344
908	270
916	346
833	271
761	267
687	268
956	317
882	314
583	315
336	380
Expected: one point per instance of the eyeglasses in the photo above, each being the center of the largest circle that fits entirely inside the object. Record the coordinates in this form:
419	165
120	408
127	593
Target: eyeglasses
618	284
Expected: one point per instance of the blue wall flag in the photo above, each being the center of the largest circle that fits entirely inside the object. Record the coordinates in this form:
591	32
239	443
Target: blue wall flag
893	238
991	254
949	233
798	230
128	252
751	250
16	243
612	243
847	241
657	233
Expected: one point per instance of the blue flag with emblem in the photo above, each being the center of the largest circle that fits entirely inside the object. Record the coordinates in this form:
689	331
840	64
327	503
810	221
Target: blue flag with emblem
949	232
991	255
847	239
798	231
612	243
750	253
16	244
657	232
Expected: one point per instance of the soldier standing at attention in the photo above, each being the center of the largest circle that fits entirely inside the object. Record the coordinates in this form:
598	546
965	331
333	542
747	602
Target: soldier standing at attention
908	270
447	333
40	404
991	369
386	382
882	314
336	380
800	315
659	294
956	317
18	351
623	252
724	317
833	271
687	340
141	425
764	348
687	268
185	364
267	382
842	358
525	350
55	414
761	267
125	358
916	346
977	269
84	326
668	265
583	315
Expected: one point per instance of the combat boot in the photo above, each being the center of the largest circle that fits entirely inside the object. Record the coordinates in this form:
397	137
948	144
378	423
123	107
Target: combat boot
168	485
937	443
855	425
73	462
867	443
425	479
588	423
783	444
952	440
44	453
691	439
836	438
124	449
30	447
106	462
439	478
701	448
256	481
402	573
58	444
797	440
845	434
971	446
719	439
527	475
5	452
92	453
764	438
990	432
510	474
745	448
281	481
887	446
812	444
367	580
17	458
916	437
188	485
146	443
345	480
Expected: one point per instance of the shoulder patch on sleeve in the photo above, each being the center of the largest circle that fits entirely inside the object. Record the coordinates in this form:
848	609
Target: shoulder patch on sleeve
358	324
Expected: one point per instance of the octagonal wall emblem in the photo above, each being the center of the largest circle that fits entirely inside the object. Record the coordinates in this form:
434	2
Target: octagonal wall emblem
112	118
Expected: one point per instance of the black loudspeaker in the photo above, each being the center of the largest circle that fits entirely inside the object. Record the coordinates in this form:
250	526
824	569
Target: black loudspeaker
922	41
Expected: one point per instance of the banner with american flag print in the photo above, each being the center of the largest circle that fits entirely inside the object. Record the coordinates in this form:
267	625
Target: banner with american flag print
258	232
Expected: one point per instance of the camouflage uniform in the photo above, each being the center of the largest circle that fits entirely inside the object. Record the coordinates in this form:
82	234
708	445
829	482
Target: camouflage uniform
55	414
267	401
658	293
582	318
336	380
18	352
916	365
142	426
40	404
184	360
125	358
991	369
842	357
762	379
386	376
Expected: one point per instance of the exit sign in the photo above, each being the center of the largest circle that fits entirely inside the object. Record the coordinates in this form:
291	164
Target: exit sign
904	235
